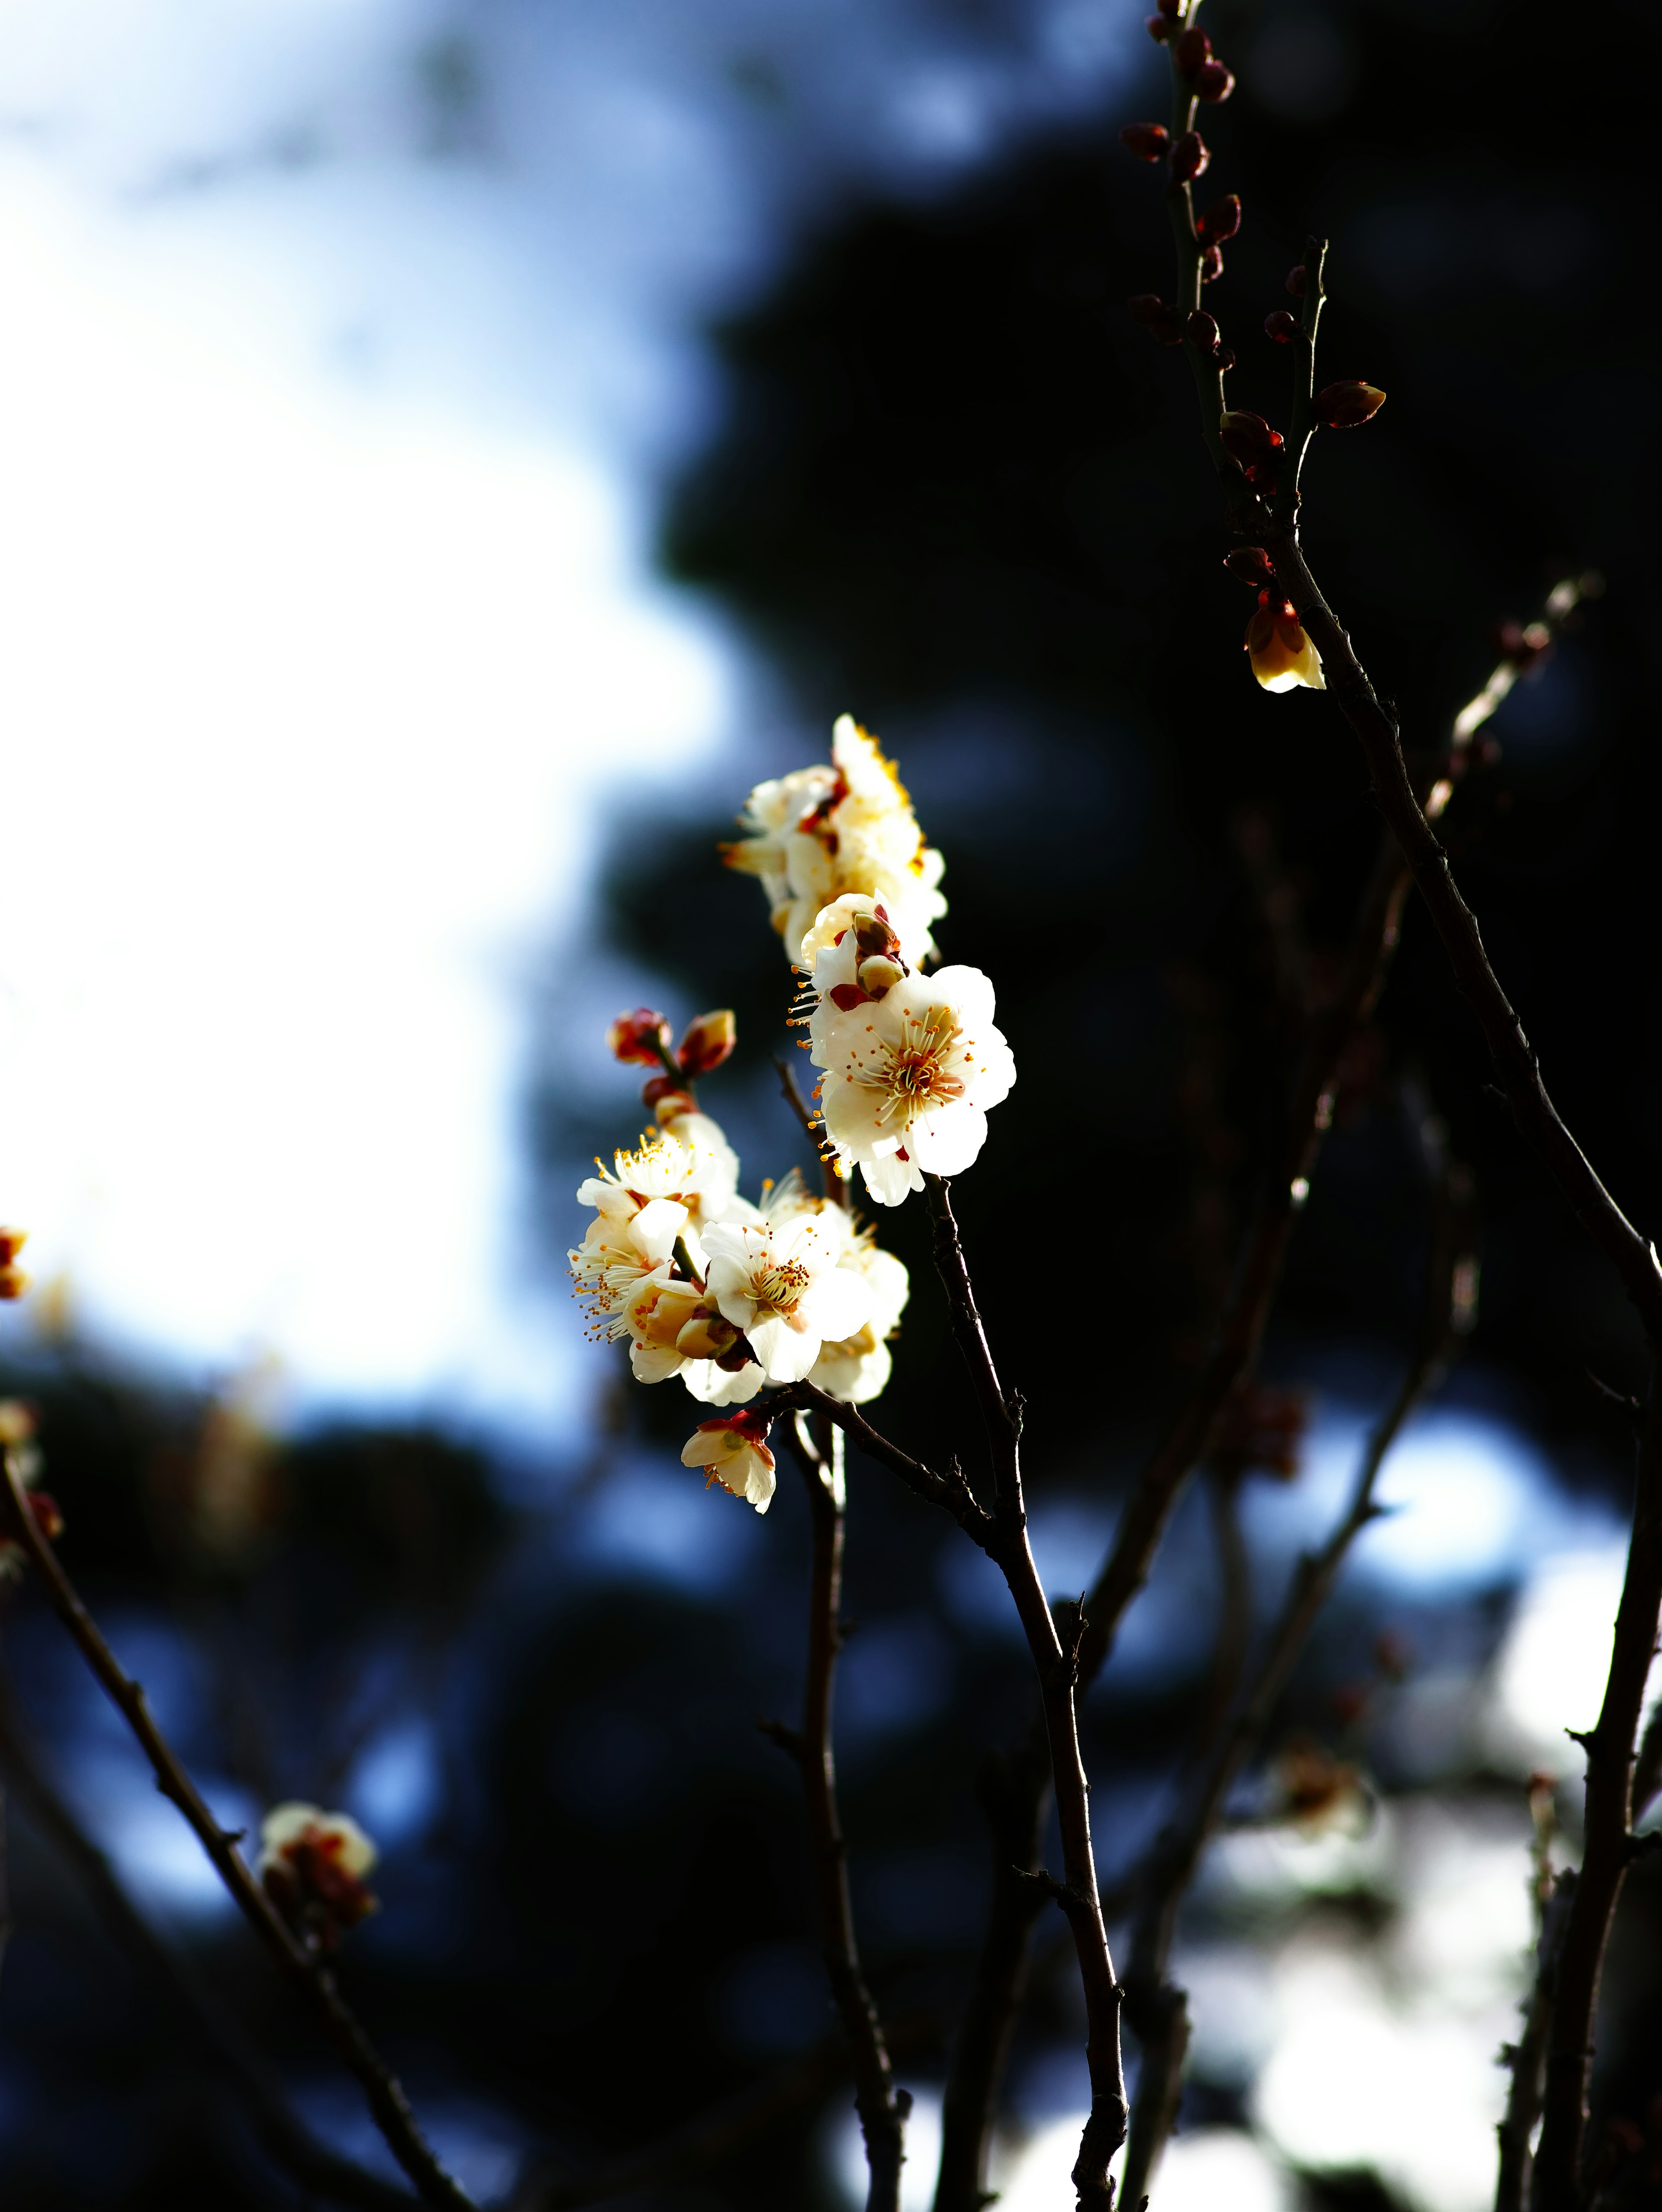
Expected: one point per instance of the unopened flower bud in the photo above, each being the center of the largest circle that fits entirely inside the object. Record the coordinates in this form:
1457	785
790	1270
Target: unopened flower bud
1148	308
1200	330
873	935
1281	327
670	1104
1213	82
706	1336
1189	157
1192	49
1172	8
1251	564
641	1036
312	1865
12	1241
1341	406
1295	280
1211	264
1263	478
1225	359
1248	437
1147	141
879	975
709	1041
1219	221
45	1512
1158	28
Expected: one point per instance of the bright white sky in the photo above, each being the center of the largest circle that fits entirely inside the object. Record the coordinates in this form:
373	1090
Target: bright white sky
326	468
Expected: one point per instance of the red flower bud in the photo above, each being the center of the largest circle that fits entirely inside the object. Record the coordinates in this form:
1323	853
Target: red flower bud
1189	157
1147	141
1192	49
659	1086
1295	281
1226	360
1202	331
708	1041
1211	264
1157	317
639	1035
1219	221
1158	28
1262	478
1172	7
1213	82
1341	406
1281	327
1252	565
1249	438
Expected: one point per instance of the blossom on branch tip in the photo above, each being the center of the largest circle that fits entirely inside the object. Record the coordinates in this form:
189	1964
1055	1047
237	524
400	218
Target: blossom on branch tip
17	1428
641	1036
822	831
1147	141
312	1865
1191	157
1282	656
709	1041
908	1076
1343	405
734	1453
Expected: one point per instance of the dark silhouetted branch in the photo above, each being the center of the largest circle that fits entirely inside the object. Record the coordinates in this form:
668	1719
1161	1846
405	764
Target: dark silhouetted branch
381	2088
1647	1766
1526	2059
836	1188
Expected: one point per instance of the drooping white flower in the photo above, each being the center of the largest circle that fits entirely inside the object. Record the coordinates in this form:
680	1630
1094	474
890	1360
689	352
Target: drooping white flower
312	1865
778	1280
736	1453
909	1072
822	831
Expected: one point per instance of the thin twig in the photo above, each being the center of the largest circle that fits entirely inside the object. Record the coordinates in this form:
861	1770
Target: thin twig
881	2107
381	2088
1647	1766
217	2038
1154	2006
831	1175
1526	2057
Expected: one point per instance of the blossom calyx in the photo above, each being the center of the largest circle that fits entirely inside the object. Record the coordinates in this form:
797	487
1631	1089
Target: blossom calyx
709	1041
1147	141
1213	82
1219	222
312	1865
1281	327
734	1452
1191	157
1343	405
641	1036
1282	657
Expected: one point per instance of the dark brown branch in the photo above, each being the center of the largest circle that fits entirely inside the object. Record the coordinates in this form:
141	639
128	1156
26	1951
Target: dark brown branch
1527	2057
1156	2009
881	2107
1609	1846
1235	1602
950	1491
830	1175
382	2090
1000	1416
217	2041
1647	1766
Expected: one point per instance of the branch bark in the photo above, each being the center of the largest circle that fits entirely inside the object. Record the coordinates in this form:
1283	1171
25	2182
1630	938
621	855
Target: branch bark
881	2107
382	2090
1526	2059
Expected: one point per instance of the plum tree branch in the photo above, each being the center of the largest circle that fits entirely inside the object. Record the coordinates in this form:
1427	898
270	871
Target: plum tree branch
382	2090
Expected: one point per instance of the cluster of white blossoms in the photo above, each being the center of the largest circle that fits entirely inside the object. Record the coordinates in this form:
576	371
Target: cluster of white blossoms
910	1063
732	1296
819	832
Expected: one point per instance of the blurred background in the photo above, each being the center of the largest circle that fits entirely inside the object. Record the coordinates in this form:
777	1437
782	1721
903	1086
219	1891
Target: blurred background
449	450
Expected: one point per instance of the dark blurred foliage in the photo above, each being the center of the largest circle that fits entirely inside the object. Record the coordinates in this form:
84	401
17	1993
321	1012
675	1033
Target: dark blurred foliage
956	492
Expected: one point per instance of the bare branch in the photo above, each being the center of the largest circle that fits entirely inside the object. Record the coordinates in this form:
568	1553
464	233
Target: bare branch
381	2088
217	2038
1525	2059
1647	1766
881	2107
830	1174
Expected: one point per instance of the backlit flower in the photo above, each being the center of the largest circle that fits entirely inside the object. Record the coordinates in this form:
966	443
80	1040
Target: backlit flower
856	1368
1281	656
778	1280
813	835
910	1067
647	1202
734	1453
312	1865
676	1327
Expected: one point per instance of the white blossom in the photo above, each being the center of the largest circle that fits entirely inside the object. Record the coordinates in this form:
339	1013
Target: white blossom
910	1065
813	835
736	1456
649	1200
778	1279
856	1368
288	1828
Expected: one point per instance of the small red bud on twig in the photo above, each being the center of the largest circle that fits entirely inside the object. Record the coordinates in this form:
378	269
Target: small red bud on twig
1192	49
1211	264
1219	221
640	1036
1172	8
1281	327
1202	331
1213	82
1295	281
1341	406
1158	28
1251	564
1157	317
1147	141
1248	437
1189	157
1226	360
